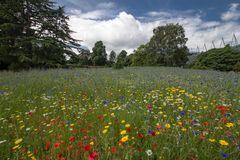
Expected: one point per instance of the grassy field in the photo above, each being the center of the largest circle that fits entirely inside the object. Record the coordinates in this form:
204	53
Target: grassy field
134	113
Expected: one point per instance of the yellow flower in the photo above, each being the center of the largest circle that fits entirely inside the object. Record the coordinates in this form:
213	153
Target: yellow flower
104	131
211	140
72	125
15	147
127	125
229	125
92	143
18	141
33	158
123	121
180	108
123	132
109	123
124	139
223	142
106	127
184	129
167	125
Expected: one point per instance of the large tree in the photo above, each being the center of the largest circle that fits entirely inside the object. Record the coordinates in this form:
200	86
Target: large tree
166	47
99	55
33	33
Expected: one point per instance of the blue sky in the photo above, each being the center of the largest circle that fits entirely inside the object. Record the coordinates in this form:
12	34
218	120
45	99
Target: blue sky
125	24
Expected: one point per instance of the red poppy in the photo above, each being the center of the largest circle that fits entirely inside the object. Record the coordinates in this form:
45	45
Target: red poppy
29	113
47	145
140	135
129	129
93	155
87	148
56	145
72	138
100	117
114	149
222	109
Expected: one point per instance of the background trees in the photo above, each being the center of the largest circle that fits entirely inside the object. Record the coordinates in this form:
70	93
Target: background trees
99	55
166	47
33	33
223	59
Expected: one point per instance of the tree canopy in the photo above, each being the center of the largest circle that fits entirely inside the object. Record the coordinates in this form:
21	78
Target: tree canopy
33	33
167	46
223	59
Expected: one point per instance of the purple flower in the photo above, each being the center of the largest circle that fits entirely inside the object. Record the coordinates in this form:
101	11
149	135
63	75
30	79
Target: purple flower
225	155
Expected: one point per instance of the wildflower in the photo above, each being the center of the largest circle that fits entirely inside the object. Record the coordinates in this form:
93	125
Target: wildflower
223	142
211	140
104	131
56	145
3	141
106	127
92	155
224	155
87	148
183	129
71	139
100	117
91	143
127	125
47	145
18	141
123	132
140	135
15	147
229	125
167	125
114	149
124	139
149	152
123	121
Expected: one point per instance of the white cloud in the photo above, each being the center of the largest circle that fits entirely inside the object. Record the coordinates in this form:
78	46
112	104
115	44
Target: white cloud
233	13
124	31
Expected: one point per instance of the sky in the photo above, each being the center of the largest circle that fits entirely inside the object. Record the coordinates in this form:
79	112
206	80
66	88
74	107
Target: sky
126	24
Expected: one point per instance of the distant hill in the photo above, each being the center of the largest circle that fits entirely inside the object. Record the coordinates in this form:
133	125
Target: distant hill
223	59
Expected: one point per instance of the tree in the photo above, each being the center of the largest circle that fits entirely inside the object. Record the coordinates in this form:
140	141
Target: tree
112	58
169	42
223	59
33	33
121	60
166	47
99	55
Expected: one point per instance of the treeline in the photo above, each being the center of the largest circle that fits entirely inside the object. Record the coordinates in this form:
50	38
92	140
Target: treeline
167	47
35	34
222	59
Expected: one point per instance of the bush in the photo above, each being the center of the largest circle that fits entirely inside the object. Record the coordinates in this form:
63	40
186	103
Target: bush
118	66
223	59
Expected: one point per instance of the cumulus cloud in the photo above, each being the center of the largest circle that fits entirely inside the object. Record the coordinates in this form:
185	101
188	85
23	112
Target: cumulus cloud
233	13
124	31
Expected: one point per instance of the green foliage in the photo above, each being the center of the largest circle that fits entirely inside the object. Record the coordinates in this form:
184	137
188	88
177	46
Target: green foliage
112	58
223	59
99	55
166	47
121	60
33	33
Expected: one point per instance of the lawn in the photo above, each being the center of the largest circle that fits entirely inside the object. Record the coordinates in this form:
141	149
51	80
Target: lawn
134	113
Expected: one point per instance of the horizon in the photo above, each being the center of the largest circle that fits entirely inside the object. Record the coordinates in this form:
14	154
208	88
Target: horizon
125	25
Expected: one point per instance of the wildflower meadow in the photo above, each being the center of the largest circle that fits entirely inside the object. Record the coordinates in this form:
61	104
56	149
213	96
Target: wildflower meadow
138	113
